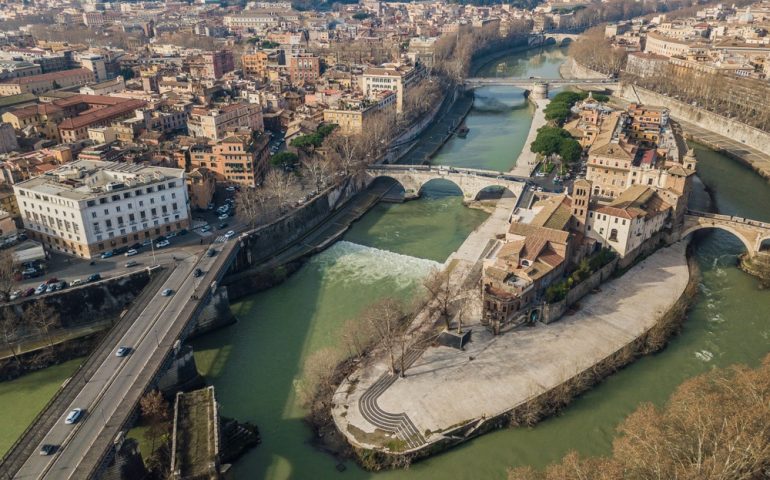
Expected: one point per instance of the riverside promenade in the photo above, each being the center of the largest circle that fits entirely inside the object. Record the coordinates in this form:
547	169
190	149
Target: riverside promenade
527	160
446	390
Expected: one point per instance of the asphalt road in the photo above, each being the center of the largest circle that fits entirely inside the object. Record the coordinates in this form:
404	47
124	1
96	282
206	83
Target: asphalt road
115	377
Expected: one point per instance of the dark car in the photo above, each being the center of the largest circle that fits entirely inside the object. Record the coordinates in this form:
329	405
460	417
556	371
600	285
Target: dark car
48	449
120	250
136	246
182	232
28	292
211	253
95	277
223	225
197	272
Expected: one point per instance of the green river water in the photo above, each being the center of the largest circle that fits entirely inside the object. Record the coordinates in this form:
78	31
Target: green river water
255	363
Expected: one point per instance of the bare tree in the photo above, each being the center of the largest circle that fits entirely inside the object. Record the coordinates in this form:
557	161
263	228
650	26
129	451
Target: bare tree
6	273
156	412
319	170
358	336
348	151
442	292
43	318
386	318
9	326
253	204
318	374
280	185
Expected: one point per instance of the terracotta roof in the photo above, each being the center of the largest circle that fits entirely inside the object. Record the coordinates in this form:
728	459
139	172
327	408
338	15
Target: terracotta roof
49	77
92	116
549	234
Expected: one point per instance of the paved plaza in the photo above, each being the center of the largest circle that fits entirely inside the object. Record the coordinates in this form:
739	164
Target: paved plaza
445	387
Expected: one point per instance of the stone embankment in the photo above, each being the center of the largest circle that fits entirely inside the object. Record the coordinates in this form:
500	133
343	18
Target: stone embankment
527	160
449	396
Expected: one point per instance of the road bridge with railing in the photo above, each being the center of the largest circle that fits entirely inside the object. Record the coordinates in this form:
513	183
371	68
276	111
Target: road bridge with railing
110	391
530	83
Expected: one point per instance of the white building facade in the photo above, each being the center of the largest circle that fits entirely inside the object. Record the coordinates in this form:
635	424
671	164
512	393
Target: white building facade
86	208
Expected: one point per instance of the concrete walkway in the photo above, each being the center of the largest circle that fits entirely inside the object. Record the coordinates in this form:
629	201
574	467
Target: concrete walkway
474	246
446	388
527	160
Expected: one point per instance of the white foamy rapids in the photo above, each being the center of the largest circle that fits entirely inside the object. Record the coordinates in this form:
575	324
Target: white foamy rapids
704	355
349	262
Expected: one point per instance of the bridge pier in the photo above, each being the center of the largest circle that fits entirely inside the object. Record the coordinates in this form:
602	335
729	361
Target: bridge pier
757	265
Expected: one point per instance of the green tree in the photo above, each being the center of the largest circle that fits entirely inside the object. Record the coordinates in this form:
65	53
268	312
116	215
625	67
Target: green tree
284	159
570	150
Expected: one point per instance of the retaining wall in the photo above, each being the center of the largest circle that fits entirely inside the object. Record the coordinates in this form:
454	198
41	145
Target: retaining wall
554	311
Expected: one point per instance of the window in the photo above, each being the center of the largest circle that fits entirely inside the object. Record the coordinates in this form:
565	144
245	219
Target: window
93	214
614	235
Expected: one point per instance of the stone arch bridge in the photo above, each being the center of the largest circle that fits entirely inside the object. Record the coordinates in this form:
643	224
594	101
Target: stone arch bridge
470	181
750	232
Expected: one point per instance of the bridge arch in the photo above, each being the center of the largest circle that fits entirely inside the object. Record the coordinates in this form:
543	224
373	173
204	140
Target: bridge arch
506	191
750	248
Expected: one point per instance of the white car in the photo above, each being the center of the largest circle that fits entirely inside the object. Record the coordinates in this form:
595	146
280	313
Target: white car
41	289
162	243
167	292
230	234
123	351
131	252
14	295
73	416
131	263
224	216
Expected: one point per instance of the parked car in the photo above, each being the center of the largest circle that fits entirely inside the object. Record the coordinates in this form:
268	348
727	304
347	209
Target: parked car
51	288
224	216
147	243
52	280
123	351
120	250
61	285
197	272
230	234
28	292
131	253
230	188
14	295
48	449
107	254
73	416
171	235
211	252
76	282
205	228
131	263
137	246
182	232
41	289
167	292
94	277
223	225
162	243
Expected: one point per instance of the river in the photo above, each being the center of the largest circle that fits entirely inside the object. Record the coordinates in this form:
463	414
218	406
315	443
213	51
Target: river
255	363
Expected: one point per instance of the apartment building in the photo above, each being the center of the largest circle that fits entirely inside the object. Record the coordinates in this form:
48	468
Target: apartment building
352	116
103	114
85	208
212	65
240	158
396	79
214	123
255	64
42	83
304	68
